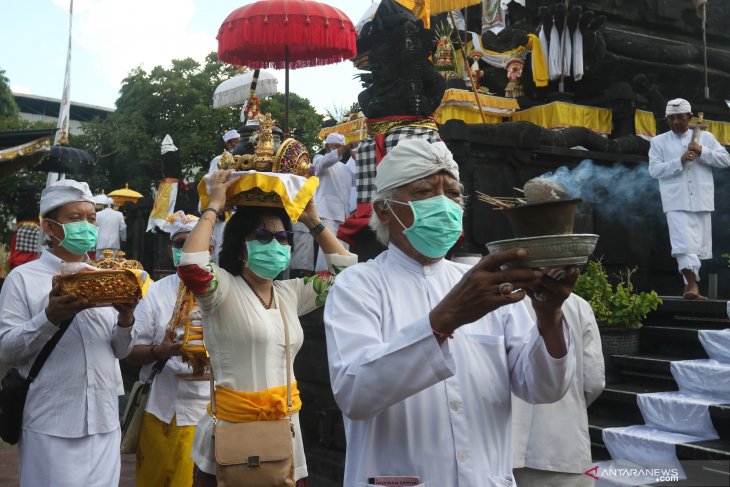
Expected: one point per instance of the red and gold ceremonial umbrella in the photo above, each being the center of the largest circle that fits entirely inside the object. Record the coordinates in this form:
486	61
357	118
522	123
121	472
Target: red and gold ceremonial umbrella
286	34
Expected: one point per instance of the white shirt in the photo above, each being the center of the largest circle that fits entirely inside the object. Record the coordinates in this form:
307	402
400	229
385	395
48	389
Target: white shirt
686	187
412	407
246	344
214	164
170	396
112	229
554	436
335	185
75	393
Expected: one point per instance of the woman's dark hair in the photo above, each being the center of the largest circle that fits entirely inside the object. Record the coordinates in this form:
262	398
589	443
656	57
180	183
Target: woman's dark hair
245	220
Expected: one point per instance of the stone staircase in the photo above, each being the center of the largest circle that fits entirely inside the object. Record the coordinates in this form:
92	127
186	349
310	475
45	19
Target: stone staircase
669	404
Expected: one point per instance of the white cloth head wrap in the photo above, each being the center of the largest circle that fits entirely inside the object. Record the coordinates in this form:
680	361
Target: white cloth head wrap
413	159
334	138
678	106
101	199
180	222
231	134
63	192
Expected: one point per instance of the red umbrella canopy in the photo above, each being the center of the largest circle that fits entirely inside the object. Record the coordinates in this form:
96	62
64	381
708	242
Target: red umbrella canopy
258	35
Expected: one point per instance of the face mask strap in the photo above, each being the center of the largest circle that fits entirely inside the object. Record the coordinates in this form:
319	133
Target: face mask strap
387	203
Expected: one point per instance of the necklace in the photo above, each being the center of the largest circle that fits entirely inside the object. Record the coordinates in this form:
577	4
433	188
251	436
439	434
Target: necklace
271	299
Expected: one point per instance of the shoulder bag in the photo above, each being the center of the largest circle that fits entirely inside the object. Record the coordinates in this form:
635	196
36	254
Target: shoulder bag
134	411
14	390
257	453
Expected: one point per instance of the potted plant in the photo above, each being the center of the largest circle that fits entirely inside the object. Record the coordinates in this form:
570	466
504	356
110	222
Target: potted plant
620	310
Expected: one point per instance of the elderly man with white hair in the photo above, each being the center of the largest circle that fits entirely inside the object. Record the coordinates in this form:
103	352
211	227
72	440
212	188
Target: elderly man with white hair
175	405
424	352
683	167
70	432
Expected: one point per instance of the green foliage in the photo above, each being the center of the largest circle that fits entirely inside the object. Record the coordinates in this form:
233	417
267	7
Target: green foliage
615	307
175	101
727	256
8	107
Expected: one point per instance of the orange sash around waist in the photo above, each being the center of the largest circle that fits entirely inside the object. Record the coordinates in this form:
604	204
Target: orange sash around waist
243	407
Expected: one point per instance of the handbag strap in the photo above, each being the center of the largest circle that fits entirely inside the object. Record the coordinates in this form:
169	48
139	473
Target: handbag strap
40	360
213	409
156	369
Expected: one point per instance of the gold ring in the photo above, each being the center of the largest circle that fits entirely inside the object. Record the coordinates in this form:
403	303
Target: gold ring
505	288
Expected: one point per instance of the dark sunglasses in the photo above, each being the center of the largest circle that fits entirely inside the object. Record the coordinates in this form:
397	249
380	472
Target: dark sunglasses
265	236
178	244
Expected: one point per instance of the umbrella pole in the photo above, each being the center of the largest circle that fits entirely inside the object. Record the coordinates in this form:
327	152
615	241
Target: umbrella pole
468	69
286	92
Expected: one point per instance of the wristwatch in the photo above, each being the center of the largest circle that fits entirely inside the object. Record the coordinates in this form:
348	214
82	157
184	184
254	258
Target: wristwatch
317	229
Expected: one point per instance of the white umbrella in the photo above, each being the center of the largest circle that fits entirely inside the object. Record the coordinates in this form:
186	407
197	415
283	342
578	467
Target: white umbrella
235	91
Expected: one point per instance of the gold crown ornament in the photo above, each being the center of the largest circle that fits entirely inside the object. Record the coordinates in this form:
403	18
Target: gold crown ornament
281	178
118	280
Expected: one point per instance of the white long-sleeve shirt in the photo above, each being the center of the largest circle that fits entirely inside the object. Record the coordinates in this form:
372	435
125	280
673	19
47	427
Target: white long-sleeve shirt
686	187
335	185
554	436
112	229
75	393
170	395
414	407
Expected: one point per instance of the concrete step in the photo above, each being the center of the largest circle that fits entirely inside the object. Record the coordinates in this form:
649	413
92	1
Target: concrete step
675	311
672	341
652	369
720	416
619	401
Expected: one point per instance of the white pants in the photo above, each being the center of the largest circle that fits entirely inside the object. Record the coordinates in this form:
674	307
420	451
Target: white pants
91	461
690	234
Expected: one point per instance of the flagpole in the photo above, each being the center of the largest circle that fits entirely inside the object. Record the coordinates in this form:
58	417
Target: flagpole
64	112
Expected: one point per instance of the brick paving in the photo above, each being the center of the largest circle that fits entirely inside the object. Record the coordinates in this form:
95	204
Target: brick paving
9	467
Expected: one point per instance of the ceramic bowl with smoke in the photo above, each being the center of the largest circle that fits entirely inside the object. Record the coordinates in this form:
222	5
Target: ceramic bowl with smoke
542	222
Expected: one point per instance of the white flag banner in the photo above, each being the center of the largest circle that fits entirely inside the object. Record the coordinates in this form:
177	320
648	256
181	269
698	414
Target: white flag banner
698	6
64	113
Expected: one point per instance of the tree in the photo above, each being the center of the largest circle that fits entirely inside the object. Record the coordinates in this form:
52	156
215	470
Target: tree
8	107
175	101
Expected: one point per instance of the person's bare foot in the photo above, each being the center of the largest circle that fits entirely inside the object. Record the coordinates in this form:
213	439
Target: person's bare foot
691	289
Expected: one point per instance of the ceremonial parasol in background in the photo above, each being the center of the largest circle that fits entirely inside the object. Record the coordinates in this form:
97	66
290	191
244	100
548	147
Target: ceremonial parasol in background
121	196
286	34
236	90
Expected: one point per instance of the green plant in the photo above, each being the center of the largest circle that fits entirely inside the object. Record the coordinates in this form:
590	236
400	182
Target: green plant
727	256
615	307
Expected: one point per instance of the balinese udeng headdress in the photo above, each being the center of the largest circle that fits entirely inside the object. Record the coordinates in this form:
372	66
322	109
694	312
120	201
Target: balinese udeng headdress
283	178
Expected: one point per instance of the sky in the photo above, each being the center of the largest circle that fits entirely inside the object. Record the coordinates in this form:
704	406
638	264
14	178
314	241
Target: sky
112	37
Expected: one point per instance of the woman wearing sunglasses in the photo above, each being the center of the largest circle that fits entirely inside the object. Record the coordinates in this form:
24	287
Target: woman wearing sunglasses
244	310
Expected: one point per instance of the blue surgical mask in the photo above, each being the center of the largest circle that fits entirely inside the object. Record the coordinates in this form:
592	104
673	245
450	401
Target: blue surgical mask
436	225
267	260
78	237
176	254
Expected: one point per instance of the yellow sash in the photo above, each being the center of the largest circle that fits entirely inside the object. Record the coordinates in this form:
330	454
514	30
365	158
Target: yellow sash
243	407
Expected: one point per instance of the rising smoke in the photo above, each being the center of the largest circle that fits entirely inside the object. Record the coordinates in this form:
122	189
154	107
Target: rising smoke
616	191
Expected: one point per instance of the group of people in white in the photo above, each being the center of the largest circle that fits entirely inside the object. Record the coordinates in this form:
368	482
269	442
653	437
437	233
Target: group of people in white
449	374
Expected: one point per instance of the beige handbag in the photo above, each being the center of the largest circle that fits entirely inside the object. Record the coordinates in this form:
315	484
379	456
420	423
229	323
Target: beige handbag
134	411
257	453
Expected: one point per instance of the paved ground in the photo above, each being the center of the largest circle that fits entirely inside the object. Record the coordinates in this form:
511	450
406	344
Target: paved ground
9	467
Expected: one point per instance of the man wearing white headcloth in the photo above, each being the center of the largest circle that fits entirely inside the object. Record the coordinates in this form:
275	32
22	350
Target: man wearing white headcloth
112	227
683	167
70	432
230	140
335	186
174	405
424	352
